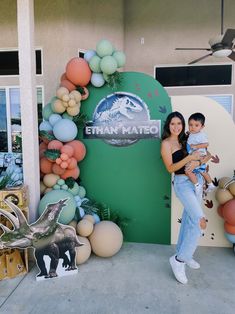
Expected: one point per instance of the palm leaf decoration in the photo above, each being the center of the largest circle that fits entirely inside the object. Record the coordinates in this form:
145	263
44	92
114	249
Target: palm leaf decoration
80	120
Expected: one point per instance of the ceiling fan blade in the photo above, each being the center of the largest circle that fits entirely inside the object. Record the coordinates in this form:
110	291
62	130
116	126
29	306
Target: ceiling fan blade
228	37
208	49
232	56
199	59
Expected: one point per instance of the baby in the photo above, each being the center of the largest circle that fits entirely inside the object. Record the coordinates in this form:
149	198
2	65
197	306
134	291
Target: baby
197	141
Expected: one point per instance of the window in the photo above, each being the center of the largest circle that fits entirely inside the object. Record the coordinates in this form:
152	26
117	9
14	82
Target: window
194	75
226	101
10	122
9	64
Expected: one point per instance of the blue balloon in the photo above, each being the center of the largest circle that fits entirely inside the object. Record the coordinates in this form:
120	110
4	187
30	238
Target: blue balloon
89	54
45	126
230	237
65	130
54	118
97	218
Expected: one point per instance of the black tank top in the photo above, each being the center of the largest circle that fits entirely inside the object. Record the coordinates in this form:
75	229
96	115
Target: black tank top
177	156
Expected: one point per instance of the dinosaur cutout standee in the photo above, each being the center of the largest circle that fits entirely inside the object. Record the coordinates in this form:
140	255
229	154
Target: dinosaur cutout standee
46	236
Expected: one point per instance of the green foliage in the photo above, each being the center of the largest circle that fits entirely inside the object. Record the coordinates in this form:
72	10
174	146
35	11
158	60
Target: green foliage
104	212
80	120
44	135
114	80
4	181
70	181
52	154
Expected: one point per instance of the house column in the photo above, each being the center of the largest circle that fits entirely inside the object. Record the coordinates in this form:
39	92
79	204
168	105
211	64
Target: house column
28	101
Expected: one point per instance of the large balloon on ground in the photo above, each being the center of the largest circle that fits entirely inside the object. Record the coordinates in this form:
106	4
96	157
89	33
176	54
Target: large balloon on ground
55	196
106	239
78	71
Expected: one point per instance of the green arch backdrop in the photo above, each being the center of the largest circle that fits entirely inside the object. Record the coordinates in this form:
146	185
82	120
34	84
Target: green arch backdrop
132	179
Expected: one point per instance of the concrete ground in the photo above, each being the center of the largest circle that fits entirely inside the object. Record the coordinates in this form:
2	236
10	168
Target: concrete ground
137	280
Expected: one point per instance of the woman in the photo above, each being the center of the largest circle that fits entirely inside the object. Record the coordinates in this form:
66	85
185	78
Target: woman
175	158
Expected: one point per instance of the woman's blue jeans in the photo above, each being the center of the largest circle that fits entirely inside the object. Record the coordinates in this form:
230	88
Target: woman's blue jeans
190	230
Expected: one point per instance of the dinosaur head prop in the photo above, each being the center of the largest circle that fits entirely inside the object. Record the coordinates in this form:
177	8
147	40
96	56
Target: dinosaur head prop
23	234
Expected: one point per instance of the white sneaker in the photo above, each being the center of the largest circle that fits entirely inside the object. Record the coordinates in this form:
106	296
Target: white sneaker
178	269
210	188
193	264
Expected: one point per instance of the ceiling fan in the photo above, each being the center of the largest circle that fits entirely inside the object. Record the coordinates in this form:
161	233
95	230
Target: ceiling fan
220	46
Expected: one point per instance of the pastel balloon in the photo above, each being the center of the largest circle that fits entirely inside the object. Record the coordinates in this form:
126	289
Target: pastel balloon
104	48
54	118
108	65
89	54
78	71
47	111
65	130
120	57
94	64
69	85
45	126
79	149
97	79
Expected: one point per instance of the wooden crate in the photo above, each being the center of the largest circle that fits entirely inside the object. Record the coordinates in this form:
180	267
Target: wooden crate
18	196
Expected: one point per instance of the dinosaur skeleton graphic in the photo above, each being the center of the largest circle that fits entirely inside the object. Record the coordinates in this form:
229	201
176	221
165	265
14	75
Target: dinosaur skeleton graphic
121	107
46	236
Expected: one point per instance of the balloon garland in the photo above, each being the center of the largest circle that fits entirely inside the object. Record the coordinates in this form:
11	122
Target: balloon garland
61	151
225	195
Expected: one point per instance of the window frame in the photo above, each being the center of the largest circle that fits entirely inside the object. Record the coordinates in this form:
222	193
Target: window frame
8	111
16	49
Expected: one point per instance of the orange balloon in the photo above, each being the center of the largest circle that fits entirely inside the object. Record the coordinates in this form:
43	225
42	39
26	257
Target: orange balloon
45	165
229	211
78	71
74	173
72	163
55	144
66	149
63	77
229	228
220	211
56	169
79	149
69	85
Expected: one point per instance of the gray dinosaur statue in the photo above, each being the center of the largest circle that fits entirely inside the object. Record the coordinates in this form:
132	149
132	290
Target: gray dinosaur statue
46	236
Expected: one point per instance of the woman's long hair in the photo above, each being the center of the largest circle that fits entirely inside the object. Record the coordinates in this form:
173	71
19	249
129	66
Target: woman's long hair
166	128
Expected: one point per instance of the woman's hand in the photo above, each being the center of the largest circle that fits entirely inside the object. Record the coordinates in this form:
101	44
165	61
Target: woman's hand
195	156
190	166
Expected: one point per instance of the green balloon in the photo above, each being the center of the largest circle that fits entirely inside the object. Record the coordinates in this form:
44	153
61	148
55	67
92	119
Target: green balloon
55	196
47	111
120	58
75	189
108	65
94	64
104	48
67	116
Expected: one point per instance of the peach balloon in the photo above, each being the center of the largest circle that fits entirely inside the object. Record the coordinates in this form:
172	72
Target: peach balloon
78	71
45	165
67	149
63	77
79	149
56	169
55	144
74	173
220	211
229	228
229	212
73	163
69	85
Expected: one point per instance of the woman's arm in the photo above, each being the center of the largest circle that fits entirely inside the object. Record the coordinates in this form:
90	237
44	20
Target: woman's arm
198	146
167	158
196	163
